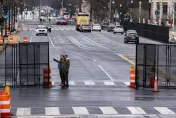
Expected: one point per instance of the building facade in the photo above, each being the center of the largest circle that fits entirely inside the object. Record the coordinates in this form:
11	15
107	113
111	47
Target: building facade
162	9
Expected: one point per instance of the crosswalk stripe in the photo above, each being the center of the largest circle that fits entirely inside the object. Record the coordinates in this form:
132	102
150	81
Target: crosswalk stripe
71	83
164	110
23	111
80	110
127	83
109	83
89	83
52	111
108	110
136	110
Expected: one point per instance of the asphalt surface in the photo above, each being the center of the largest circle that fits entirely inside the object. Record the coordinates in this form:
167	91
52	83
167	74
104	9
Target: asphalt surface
99	78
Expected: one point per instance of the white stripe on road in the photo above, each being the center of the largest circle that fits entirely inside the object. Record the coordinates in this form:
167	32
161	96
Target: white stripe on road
52	111
109	83
80	110
71	83
110	40
164	110
51	41
127	83
23	111
108	110
89	83
136	110
105	72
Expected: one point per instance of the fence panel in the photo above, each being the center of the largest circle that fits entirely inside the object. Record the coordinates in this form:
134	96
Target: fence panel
154	32
158	61
22	64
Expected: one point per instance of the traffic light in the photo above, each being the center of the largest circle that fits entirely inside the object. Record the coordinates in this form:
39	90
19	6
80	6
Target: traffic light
1	20
5	9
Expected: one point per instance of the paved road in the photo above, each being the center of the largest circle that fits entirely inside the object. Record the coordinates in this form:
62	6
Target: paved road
99	78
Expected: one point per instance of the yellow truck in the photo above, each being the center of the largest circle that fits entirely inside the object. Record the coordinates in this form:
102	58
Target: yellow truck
82	18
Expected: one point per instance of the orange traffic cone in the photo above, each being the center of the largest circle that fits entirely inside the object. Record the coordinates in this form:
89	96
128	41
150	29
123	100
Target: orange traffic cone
155	89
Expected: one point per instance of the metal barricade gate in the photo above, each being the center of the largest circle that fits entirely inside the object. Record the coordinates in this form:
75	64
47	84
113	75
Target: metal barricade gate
22	64
158	61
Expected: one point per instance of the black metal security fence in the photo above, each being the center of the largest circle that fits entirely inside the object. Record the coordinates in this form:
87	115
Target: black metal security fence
158	61
22	64
154	32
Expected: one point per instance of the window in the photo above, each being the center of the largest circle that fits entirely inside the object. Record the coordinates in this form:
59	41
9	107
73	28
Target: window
165	8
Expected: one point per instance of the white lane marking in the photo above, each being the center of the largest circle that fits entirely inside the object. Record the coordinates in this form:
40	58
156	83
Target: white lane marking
164	110
110	40
52	111
136	110
127	83
51	41
89	83
31	39
126	59
23	111
107	83
77	43
108	110
62	29
73	52
73	41
80	110
105	72
96	43
71	83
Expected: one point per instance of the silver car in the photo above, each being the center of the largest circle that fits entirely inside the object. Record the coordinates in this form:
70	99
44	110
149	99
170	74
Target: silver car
118	29
85	27
41	29
96	27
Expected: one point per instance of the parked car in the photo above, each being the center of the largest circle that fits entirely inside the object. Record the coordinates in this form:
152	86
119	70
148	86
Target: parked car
110	28
96	27
118	29
41	29
131	36
85	27
62	22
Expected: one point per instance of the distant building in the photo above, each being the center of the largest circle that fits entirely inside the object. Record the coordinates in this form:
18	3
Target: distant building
162	9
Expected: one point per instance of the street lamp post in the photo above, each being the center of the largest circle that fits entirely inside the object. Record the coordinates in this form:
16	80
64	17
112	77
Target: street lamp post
120	12
62	4
9	13
149	9
40	10
131	10
140	3
110	9
173	23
